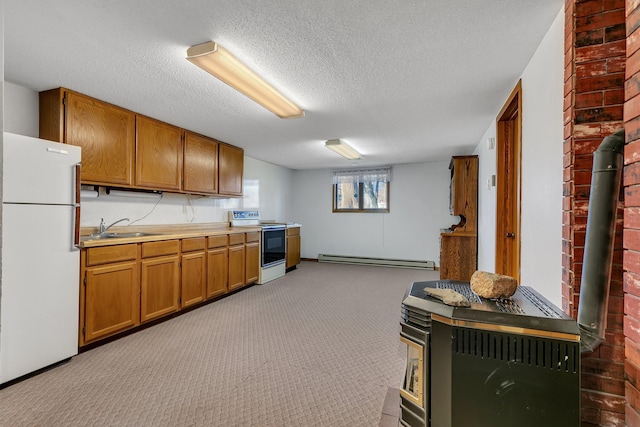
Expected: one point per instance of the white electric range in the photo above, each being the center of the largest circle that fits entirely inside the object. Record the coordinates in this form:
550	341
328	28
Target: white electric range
273	244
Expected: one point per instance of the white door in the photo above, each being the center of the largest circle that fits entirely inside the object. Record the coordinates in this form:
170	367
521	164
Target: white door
38	171
40	279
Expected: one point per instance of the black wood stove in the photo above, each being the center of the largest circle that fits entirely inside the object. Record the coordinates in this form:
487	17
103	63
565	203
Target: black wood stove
511	362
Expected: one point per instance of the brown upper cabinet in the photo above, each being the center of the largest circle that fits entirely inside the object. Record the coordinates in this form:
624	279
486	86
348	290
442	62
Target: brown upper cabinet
230	165
123	149
200	164
105	132
158	154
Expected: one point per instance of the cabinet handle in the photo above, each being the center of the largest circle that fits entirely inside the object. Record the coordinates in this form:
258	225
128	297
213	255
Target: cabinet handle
510	235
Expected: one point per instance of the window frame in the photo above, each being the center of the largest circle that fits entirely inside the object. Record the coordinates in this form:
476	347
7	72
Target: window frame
360	209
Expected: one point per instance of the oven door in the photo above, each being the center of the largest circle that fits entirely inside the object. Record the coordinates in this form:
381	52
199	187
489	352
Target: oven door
273	246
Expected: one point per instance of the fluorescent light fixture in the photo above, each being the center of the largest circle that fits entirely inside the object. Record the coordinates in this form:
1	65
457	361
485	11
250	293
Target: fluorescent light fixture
343	149
220	63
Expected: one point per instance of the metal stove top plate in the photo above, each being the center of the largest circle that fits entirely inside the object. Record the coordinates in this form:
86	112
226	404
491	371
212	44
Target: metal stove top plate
526	308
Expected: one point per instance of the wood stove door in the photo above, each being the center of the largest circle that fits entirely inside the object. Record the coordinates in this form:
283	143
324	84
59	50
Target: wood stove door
412	387
414	393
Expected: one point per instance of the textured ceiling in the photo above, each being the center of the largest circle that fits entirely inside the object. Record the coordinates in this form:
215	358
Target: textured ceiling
402	81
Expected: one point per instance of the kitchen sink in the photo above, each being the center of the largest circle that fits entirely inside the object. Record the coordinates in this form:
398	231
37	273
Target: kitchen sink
97	236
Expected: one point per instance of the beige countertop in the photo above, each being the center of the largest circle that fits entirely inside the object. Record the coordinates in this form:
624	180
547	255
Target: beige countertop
159	232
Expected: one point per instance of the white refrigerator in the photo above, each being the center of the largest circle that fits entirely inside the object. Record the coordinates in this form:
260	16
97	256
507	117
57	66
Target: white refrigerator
40	259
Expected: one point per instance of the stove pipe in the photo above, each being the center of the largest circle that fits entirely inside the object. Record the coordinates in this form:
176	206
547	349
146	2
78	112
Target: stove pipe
598	247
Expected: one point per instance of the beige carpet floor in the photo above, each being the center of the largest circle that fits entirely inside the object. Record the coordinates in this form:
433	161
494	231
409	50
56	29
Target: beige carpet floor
319	347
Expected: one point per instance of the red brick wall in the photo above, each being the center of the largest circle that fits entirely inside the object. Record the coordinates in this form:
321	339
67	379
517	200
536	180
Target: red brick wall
595	59
631	240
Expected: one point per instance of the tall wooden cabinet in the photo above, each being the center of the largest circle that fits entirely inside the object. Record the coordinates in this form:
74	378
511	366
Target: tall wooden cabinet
459	244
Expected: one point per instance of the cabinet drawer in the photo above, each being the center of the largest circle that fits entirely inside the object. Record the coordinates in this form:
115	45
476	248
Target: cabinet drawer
164	247
114	253
294	231
193	244
253	237
236	239
217	241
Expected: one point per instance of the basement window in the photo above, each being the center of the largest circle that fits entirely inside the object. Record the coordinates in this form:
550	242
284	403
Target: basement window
361	190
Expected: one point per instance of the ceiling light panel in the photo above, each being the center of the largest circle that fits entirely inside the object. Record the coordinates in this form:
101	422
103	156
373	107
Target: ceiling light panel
222	64
342	148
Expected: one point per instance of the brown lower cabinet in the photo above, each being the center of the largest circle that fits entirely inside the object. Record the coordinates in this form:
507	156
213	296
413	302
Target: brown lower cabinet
159	279
217	266
252	257
125	285
193	263
458	256
110	291
293	247
237	262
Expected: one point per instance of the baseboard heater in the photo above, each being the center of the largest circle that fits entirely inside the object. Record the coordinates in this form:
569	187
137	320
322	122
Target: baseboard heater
382	262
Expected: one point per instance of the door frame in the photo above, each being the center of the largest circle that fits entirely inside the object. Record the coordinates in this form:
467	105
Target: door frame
509	184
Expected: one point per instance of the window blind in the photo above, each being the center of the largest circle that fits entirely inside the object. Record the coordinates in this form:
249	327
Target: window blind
361	175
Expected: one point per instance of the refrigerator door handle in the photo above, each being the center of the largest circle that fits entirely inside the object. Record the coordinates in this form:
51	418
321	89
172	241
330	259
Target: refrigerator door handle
76	216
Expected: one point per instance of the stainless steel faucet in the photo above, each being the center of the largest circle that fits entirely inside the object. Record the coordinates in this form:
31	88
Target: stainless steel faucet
104	229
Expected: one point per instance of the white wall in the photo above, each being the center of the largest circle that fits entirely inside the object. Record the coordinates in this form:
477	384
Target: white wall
267	186
486	203
542	142
20	110
419	208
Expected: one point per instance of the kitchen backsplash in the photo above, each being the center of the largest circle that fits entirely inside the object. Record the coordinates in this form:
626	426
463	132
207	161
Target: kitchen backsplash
266	186
149	208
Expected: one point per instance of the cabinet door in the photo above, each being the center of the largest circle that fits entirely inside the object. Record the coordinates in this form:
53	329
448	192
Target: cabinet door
230	166
252	262
200	164
194	276
158	154
293	250
236	267
159	287
112	299
458	256
217	272
106	134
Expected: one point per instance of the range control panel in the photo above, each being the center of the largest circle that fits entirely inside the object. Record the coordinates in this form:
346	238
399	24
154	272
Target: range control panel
236	215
